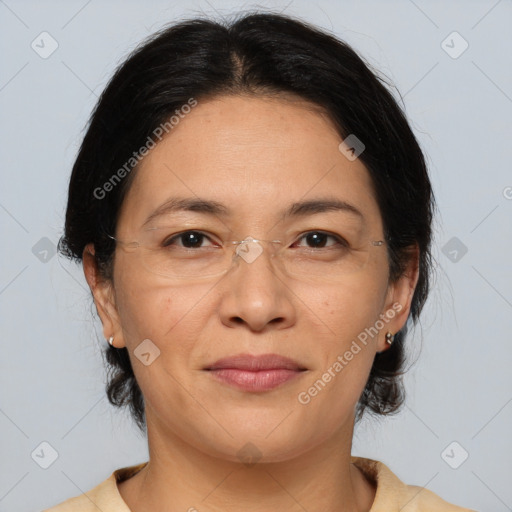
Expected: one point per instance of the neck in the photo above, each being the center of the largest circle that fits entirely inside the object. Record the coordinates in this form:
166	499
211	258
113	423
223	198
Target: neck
178	477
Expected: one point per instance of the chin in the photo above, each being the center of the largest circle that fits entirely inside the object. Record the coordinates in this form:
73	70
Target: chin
250	451
267	444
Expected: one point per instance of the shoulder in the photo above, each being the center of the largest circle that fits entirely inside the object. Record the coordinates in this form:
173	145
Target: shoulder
394	495
104	496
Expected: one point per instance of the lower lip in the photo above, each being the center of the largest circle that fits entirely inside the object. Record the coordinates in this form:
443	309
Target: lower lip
262	380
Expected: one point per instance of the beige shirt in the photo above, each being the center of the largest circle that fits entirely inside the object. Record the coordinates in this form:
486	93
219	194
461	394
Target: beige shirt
392	494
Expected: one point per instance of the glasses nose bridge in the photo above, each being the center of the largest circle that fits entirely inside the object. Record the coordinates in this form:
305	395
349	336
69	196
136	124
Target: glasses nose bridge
251	248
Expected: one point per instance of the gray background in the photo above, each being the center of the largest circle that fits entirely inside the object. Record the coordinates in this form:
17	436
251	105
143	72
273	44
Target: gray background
459	389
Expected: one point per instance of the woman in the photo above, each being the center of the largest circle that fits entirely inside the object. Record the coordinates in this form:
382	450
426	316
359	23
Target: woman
253	214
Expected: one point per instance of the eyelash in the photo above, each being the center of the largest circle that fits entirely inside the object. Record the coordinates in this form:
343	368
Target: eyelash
341	241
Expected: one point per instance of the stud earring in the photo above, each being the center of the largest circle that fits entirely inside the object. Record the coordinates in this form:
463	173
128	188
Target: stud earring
389	338
111	341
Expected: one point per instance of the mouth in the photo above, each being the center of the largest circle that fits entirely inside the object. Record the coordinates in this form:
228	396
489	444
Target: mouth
255	373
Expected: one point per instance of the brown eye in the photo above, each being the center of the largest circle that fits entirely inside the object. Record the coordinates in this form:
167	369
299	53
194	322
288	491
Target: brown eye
320	239
187	239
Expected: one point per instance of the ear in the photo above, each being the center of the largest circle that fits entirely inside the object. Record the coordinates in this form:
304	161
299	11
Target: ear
399	298
104	297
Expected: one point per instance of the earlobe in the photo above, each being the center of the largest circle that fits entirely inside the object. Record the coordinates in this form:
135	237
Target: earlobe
104	299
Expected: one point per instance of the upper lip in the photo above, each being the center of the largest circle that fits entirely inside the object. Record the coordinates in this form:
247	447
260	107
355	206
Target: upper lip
256	363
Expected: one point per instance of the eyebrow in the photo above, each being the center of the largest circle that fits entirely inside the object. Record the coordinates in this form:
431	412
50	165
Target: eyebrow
214	208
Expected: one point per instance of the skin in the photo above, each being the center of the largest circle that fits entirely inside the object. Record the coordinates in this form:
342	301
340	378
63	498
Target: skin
255	155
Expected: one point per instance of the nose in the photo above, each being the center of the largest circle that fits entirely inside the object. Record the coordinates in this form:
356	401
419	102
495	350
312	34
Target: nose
254	293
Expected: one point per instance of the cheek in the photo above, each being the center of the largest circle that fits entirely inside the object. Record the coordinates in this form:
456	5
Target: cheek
143	311
332	395
170	318
150	308
352	307
350	312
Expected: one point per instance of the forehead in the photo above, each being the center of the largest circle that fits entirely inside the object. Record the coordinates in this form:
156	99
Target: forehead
254	155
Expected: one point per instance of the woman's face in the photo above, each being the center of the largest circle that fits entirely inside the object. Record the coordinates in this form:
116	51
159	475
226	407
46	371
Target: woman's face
257	157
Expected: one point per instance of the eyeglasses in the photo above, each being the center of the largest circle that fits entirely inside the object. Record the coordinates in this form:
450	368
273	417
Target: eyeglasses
193	254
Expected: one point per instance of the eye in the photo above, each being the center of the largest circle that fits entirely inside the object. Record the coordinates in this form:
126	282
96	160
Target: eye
319	240
186	239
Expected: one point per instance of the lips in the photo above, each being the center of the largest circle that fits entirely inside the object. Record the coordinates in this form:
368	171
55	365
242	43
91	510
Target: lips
256	363
255	373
